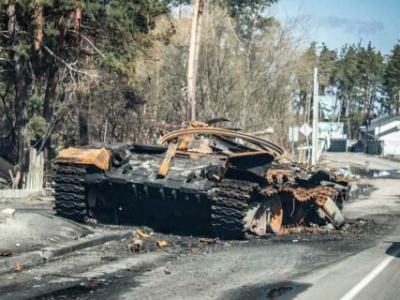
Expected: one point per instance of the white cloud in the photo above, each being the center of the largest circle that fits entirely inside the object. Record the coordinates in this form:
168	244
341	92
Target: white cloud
351	25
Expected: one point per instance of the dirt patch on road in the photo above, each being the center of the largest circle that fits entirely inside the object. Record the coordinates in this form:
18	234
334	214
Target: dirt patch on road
356	234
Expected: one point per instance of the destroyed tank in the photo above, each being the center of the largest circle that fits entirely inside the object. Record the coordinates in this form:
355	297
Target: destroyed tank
200	180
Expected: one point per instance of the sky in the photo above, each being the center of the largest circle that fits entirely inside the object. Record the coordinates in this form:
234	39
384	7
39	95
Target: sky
340	22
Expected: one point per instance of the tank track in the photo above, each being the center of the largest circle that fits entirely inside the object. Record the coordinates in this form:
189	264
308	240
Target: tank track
230	200
70	199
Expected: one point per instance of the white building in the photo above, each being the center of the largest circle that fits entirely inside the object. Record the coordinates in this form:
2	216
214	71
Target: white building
384	133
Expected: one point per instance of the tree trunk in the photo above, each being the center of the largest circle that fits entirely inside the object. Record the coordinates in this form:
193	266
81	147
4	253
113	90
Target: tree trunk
11	21
77	25
349	112
50	94
194	58
83	119
48	107
21	93
38	31
21	109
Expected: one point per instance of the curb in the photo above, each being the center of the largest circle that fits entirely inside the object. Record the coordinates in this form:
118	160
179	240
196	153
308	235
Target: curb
51	253
19	204
27	259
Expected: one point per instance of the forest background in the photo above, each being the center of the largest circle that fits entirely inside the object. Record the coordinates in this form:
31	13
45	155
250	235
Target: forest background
74	72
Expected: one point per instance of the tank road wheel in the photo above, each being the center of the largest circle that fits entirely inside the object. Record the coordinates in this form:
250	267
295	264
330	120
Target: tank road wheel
329	212
316	216
333	213
98	208
294	209
230	208
70	192
275	215
256	219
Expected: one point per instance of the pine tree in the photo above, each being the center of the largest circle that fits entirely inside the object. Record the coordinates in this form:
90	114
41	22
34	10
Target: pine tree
347	83
326	68
392	79
60	58
370	69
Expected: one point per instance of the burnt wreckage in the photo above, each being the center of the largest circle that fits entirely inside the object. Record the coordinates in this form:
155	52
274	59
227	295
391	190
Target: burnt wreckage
200	180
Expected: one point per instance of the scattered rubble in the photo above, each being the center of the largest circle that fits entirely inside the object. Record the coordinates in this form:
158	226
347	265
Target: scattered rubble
6	253
135	245
8	212
5	214
19	266
207	241
162	244
142	234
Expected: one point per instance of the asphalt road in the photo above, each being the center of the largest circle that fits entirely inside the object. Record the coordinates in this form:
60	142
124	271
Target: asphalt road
369	275
374	272
382	282
357	160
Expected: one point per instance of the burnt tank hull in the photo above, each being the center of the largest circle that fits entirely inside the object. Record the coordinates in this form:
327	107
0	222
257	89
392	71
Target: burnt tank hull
186	201
205	181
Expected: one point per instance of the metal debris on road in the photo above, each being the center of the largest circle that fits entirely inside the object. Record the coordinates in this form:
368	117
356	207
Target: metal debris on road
142	234
8	212
6	253
135	245
161	244
19	266
207	241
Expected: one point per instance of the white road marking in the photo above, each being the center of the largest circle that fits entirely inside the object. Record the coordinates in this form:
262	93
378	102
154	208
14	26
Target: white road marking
367	279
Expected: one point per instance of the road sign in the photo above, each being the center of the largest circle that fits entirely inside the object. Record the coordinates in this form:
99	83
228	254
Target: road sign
305	129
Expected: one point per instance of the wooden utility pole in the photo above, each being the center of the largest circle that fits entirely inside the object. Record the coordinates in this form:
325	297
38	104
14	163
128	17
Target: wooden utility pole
193	62
315	120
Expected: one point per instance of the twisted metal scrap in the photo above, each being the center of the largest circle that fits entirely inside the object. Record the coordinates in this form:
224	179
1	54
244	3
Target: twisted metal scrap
264	145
